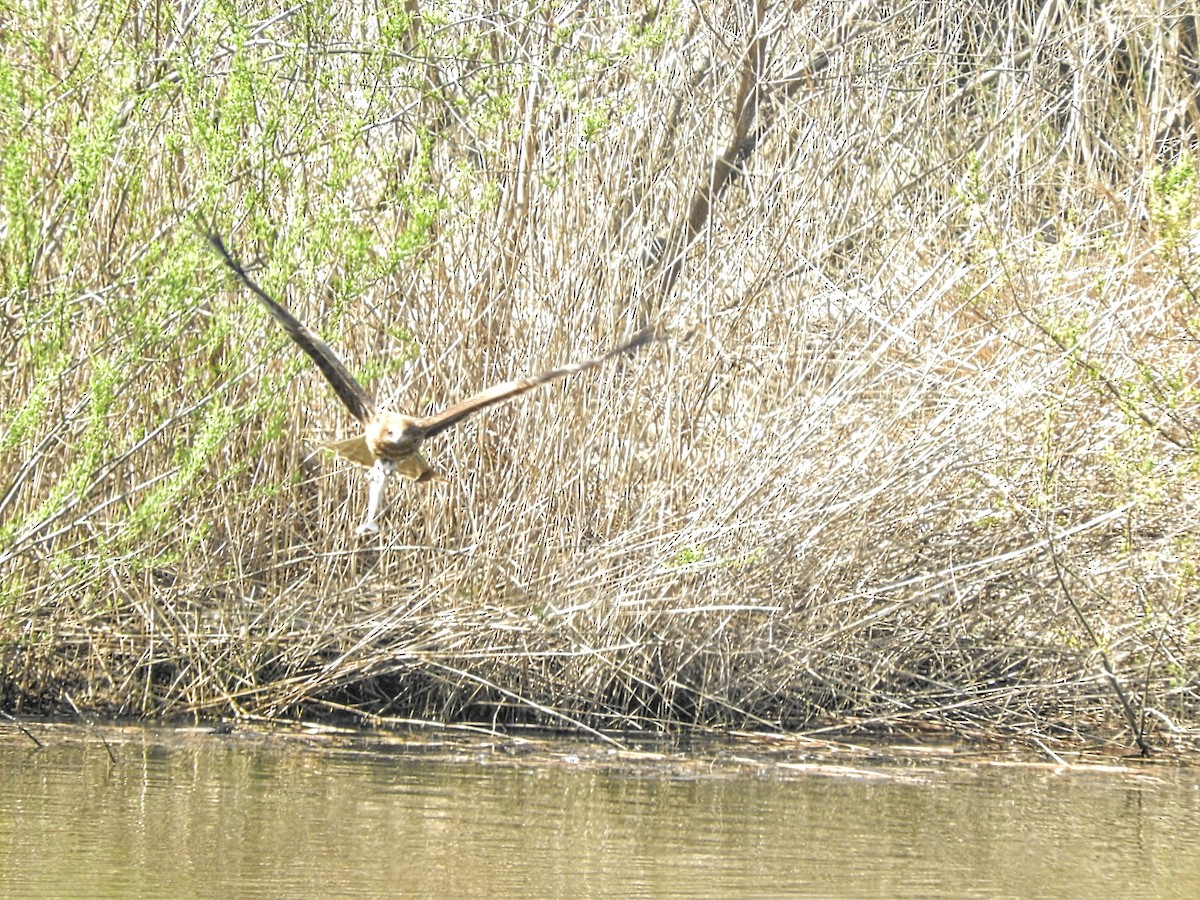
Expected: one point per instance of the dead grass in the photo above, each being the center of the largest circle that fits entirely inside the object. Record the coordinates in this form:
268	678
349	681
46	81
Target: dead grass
920	446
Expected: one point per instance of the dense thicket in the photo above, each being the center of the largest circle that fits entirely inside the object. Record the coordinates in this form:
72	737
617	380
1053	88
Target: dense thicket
920	445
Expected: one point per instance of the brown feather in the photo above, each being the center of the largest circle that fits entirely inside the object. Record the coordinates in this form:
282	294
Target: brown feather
452	415
411	466
354	449
344	384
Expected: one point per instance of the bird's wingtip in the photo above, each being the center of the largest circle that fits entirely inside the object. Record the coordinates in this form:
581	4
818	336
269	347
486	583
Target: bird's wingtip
640	339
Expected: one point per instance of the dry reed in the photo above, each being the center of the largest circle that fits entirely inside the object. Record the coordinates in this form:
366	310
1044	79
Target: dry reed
920	446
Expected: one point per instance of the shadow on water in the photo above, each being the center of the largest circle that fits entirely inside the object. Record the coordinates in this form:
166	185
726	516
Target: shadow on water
181	813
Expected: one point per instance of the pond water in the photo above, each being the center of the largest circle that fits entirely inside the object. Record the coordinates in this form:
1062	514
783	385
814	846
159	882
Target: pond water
131	813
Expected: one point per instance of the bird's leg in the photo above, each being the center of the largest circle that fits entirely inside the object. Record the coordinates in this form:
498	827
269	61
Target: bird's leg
378	476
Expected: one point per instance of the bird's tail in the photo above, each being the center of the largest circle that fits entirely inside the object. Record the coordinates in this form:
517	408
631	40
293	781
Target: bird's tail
413	467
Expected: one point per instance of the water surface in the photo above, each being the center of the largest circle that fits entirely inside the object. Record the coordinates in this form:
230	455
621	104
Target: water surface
255	816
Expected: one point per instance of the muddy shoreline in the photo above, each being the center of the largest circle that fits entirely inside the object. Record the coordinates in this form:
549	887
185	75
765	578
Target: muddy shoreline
737	755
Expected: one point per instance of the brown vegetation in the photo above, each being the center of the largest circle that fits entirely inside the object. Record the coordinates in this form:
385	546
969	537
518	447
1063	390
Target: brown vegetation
922	447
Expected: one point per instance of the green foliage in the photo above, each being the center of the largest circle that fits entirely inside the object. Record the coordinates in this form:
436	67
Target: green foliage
687	556
973	187
193	455
395	25
594	121
20	424
1172	202
658	24
482	182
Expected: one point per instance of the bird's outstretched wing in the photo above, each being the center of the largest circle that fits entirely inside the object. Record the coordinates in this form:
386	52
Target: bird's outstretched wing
451	416
344	384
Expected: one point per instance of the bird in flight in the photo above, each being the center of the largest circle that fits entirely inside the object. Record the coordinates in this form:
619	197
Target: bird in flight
390	443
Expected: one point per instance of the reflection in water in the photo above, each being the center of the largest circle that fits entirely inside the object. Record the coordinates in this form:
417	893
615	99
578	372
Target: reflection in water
252	817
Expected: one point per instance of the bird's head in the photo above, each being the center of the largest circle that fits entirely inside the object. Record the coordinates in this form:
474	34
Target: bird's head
391	435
